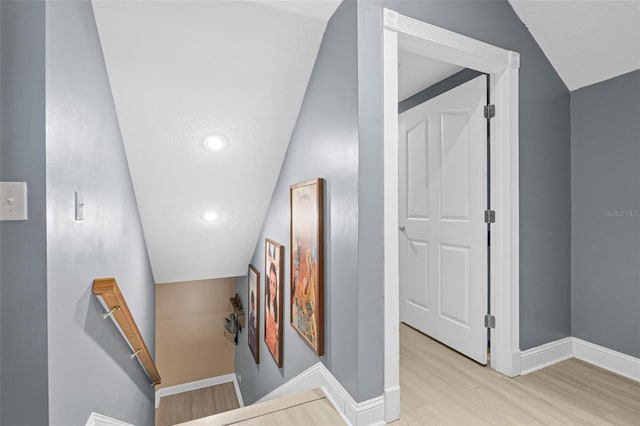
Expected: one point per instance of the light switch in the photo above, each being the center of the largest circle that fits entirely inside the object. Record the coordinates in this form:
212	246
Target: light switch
13	201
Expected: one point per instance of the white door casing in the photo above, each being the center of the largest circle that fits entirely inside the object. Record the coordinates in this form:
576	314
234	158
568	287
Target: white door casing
502	65
443	237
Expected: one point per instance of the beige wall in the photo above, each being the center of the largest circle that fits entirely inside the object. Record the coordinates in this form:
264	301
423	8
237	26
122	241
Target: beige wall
190	344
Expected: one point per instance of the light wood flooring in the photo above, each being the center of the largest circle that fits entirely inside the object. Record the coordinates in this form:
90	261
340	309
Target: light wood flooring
441	387
195	404
306	408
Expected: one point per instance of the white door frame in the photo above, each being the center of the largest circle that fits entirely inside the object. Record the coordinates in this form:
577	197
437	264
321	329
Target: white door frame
401	32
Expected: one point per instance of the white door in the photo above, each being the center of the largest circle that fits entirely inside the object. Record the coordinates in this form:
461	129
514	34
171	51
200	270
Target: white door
443	237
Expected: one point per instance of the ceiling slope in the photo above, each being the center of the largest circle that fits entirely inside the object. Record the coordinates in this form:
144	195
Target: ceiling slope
416	73
586	41
181	71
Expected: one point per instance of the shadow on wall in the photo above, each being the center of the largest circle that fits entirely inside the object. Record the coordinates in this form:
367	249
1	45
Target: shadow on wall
106	334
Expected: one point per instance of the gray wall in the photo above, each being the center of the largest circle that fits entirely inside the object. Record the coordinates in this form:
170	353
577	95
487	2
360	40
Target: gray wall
89	361
324	144
370	204
23	286
1	139
437	89
605	194
545	290
545	283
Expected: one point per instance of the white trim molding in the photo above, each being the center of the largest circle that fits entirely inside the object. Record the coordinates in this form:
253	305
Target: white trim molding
369	412
96	419
606	358
571	347
402	32
545	355
199	384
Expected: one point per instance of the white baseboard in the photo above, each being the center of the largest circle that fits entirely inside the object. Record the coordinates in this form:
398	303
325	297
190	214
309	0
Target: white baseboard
545	355
199	384
369	412
96	419
516	361
238	393
606	358
392	404
572	347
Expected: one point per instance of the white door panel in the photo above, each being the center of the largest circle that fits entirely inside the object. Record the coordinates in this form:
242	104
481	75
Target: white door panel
443	195
454	284
418	171
417	257
454	151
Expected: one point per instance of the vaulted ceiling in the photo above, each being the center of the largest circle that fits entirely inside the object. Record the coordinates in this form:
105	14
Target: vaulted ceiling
181	71
586	41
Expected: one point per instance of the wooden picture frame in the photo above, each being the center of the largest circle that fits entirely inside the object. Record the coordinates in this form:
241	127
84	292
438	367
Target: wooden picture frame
307	262
273	307
253	305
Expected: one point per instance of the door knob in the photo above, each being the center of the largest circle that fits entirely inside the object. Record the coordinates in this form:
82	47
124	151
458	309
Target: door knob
402	228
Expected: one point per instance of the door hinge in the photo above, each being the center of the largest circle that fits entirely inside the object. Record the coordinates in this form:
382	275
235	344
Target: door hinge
489	321
489	216
489	111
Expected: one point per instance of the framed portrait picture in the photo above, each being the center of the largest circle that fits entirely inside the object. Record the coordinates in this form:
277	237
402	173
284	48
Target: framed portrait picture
274	273
253	302
307	262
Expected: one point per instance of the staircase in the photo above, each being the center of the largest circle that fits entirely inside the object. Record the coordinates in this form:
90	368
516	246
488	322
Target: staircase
306	408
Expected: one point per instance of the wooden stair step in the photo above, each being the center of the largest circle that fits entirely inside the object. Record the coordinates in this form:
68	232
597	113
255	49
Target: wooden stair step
265	409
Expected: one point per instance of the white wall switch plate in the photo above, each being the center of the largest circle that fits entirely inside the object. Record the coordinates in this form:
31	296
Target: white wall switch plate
13	201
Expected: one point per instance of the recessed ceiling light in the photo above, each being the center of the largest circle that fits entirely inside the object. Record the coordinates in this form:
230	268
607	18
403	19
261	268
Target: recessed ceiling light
210	216
215	143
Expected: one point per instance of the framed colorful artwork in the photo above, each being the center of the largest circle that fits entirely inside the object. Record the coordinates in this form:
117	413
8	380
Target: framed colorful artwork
274	274
254	312
307	262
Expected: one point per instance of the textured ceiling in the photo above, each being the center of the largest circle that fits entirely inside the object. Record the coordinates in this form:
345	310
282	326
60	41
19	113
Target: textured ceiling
181	71
586	41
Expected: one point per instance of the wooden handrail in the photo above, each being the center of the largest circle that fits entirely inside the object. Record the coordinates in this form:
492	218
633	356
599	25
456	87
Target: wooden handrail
109	294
